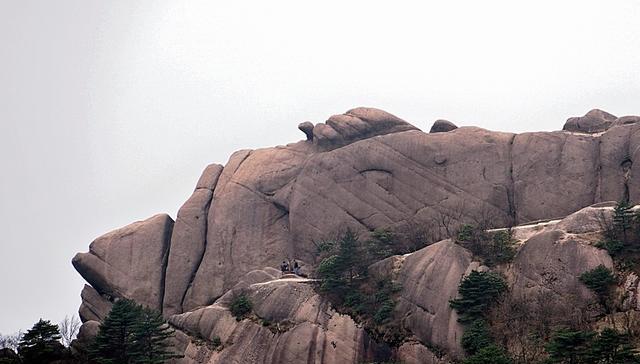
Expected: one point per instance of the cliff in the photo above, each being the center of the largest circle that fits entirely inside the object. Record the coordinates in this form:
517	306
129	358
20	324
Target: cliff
362	170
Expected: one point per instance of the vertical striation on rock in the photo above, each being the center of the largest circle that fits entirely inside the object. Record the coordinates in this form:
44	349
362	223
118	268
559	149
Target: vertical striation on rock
188	241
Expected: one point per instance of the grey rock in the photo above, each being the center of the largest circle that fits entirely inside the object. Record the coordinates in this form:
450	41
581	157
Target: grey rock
129	262
627	120
595	121
307	128
442	126
94	307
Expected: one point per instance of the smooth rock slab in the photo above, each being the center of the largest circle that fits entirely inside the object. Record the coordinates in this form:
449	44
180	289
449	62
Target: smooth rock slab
130	262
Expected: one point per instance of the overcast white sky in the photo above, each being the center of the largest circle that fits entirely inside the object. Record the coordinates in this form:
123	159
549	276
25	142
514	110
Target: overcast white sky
109	110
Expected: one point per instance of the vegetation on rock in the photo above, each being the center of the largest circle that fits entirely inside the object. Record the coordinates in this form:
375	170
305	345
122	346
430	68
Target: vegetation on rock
600	280
132	334
569	346
493	247
478	291
240	307
343	270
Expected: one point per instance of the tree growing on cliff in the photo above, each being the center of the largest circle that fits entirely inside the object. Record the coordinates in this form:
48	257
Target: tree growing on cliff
623	217
477	292
342	262
132	334
600	280
41	343
570	347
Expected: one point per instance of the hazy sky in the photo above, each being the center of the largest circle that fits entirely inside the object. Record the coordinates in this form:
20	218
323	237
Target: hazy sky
109	110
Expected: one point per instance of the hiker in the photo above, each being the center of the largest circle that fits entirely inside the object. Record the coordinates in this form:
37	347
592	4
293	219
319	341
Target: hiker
284	267
296	268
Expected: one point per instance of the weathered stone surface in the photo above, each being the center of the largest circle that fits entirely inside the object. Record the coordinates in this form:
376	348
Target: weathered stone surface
129	262
588	219
626	120
88	331
430	278
209	177
554	174
188	241
552	262
595	121
442	126
416	353
248	221
302	329
307	128
357	124
94	307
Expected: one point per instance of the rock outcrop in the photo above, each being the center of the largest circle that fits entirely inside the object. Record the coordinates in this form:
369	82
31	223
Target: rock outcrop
595	121
362	170
442	126
130	262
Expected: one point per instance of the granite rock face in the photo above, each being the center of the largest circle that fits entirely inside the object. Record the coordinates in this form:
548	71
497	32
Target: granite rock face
302	328
130	262
363	170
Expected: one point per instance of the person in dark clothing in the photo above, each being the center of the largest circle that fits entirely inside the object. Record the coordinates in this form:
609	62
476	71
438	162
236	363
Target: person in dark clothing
296	268
284	267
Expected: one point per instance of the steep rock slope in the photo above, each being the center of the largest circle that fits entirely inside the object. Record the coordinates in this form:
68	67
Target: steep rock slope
364	169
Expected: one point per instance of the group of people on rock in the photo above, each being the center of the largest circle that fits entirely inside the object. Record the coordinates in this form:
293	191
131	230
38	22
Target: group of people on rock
290	268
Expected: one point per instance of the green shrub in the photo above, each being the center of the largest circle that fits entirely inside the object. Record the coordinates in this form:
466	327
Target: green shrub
476	336
380	244
570	346
599	280
240	307
491	354
612	347
613	247
623	221
384	312
493	247
466	232
216	342
477	292
502	247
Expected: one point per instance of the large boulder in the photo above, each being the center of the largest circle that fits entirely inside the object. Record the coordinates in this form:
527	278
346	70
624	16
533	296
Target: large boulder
129	262
442	126
356	124
430	278
595	121
94	306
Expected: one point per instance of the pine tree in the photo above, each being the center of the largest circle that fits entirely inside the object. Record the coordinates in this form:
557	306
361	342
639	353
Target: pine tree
131	334
599	280
491	354
477	291
623	217
151	335
612	347
570	347
114	343
41	344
